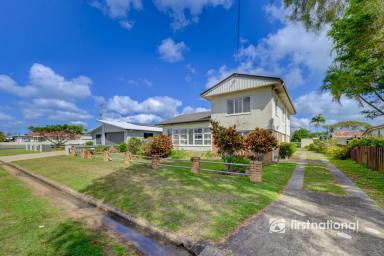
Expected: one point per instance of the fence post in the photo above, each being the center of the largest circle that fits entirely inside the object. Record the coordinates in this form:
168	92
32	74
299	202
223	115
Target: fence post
195	168
255	169
127	158
88	154
155	162
106	156
72	151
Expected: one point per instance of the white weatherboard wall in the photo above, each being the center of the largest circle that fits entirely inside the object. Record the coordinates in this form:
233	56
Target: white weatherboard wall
281	121
191	125
259	116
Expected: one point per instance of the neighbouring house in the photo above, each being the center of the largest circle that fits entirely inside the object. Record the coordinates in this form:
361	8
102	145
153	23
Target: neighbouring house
247	101
376	131
343	137
116	132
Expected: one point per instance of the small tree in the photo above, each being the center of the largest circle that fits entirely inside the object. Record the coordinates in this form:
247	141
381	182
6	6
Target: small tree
259	142
227	140
317	120
159	145
299	134
58	134
135	145
2	137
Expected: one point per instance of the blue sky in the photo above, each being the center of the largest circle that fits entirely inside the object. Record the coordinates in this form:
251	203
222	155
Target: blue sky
144	61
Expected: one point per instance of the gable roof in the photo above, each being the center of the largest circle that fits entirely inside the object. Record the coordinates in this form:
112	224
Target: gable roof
188	118
249	81
129	126
373	128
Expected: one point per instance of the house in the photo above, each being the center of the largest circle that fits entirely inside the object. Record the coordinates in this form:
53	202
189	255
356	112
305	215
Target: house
376	131
247	101
343	137
116	132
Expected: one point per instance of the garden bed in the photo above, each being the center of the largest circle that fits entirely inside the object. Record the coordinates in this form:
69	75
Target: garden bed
203	206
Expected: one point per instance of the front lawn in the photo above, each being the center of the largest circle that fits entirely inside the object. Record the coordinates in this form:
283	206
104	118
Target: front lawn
372	182
318	178
29	225
203	206
10	152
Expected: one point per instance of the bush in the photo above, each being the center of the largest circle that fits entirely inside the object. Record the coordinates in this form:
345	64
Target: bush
260	141
135	146
366	141
320	146
101	148
227	140
158	145
287	149
123	147
337	152
180	154
89	143
237	160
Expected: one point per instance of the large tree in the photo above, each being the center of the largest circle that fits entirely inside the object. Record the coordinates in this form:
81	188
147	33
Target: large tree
357	32
350	124
58	134
318	120
299	134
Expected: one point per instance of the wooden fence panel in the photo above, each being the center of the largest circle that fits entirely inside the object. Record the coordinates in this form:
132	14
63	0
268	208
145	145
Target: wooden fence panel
372	157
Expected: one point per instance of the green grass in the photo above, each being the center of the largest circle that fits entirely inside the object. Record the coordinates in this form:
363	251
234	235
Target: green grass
372	182
29	225
203	206
318	178
10	152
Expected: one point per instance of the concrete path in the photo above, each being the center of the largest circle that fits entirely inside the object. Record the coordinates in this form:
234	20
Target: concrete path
8	159
282	228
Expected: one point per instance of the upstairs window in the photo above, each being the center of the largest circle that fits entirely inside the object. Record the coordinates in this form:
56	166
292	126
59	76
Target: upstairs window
239	105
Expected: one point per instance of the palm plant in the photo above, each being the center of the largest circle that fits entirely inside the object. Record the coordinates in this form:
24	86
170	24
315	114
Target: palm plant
317	120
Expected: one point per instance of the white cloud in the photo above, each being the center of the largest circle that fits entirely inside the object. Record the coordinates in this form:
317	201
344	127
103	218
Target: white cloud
189	109
118	10
5	117
44	82
139	81
184	12
170	51
314	103
191	71
142	119
162	106
298	56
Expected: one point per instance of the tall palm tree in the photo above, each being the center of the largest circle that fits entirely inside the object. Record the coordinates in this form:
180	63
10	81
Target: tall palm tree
317	120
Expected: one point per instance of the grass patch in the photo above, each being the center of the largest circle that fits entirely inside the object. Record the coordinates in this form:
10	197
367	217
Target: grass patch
10	152
372	182
204	206
29	225
318	178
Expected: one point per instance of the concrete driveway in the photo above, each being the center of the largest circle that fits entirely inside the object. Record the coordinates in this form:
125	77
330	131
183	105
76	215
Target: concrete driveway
282	228
30	156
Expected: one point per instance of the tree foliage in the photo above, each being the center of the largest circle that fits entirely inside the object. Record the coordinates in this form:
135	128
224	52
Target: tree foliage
287	149
260	141
160	145
358	68
317	120
227	140
58	134
315	13
135	145
350	124
2	137
299	134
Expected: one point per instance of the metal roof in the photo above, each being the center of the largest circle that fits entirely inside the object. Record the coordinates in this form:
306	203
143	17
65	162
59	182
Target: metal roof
129	126
188	118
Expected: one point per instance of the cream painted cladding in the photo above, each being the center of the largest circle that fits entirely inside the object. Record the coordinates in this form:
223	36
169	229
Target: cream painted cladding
192	136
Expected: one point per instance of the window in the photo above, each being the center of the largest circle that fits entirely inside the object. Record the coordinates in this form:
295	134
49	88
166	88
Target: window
190	136
169	132
198	136
175	137
183	136
239	105
207	136
148	134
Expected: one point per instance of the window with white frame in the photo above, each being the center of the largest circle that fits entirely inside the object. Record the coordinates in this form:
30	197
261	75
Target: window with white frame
183	136
239	105
198	136
207	136
175	137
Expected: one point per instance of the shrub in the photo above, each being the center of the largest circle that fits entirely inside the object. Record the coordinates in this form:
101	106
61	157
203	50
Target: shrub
287	149
337	152
260	141
101	148
180	154
158	145
123	147
366	141
89	143
237	160
227	140
135	146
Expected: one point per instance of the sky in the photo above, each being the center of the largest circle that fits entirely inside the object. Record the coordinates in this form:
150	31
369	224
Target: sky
143	61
